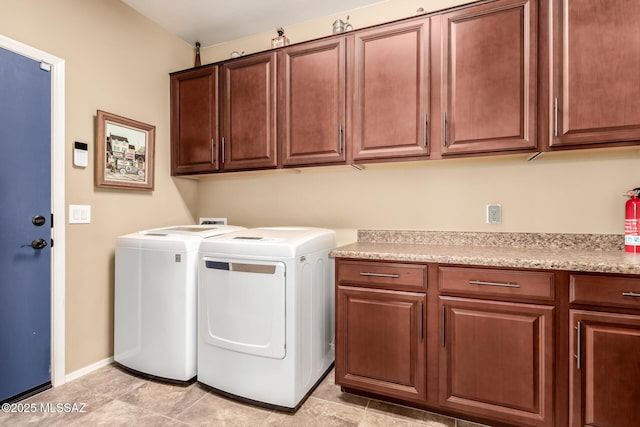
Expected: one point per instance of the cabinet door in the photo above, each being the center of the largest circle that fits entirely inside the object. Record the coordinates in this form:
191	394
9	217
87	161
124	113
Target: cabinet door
596	89
312	94
391	91
249	113
489	77
496	360
605	369
194	121
380	341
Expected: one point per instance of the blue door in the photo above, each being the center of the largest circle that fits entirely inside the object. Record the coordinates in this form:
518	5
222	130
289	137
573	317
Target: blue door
25	225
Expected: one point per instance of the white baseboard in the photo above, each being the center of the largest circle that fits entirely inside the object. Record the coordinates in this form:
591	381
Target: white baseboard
88	369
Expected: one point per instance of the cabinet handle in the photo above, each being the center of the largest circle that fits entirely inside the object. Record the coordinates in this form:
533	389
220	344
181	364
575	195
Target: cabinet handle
391	276
213	151
555	117
443	329
223	149
444	128
424	135
578	355
502	285
420	324
631	294
340	139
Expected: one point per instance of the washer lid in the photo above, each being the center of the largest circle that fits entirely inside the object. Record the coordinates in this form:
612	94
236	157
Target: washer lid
272	241
159	241
203	231
182	237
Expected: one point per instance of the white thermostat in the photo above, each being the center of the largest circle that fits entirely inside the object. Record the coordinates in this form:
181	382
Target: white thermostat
80	154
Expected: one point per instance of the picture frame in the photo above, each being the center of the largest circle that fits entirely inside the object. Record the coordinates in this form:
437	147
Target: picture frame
125	151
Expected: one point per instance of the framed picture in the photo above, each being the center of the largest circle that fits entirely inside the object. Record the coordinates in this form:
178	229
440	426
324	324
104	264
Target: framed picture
124	152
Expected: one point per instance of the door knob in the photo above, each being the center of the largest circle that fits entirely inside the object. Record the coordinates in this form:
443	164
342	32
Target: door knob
37	244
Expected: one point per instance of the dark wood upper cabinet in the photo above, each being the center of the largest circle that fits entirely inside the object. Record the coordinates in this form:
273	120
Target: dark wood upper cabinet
194	121
390	91
489	77
312	97
249	113
595	69
497	360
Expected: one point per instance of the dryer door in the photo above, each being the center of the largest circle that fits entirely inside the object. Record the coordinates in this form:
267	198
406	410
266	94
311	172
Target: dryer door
242	305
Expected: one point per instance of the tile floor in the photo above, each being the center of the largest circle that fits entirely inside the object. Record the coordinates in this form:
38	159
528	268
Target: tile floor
112	396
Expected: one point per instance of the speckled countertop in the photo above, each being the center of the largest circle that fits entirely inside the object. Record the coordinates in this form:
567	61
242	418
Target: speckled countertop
575	252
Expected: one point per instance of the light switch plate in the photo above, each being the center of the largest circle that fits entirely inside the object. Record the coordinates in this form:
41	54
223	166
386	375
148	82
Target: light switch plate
79	214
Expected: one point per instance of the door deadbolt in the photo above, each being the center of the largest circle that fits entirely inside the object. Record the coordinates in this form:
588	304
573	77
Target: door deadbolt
38	220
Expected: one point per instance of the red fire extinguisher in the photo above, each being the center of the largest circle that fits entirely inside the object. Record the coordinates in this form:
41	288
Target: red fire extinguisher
632	222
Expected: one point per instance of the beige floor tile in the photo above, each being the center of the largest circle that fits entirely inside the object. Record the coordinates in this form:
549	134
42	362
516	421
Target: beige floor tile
319	413
376	419
328	390
111	380
113	396
57	406
416	417
166	399
214	410
461	423
118	413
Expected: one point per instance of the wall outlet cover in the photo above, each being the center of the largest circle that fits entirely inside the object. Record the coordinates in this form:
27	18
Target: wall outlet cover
217	221
494	214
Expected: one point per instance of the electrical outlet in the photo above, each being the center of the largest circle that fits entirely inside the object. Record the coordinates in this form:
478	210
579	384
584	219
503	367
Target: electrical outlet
217	221
494	214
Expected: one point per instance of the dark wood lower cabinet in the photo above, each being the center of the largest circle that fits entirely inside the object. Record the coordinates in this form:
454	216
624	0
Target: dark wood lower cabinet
501	346
380	341
605	369
497	360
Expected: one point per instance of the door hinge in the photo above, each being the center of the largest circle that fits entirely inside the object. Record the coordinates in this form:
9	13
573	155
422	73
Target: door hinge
52	242
51	219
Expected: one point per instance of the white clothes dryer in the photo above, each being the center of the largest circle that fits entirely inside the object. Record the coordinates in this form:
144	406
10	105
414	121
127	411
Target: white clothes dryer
266	314
155	306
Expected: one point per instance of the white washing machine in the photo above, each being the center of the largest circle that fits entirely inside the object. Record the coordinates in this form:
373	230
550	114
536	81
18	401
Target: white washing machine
266	314
155	305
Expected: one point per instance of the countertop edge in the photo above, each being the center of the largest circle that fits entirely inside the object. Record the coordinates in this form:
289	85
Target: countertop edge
589	261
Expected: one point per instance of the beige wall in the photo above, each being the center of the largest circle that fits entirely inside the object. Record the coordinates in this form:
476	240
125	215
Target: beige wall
384	11
116	61
577	192
119	62
572	192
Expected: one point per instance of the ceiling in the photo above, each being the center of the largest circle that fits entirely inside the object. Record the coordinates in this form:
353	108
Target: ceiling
216	21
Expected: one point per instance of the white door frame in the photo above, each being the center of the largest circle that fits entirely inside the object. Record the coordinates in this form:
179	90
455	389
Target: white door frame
57	201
